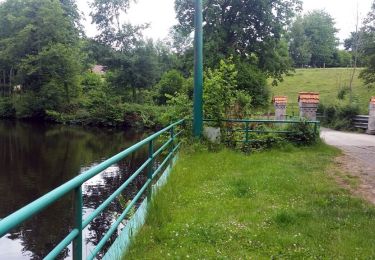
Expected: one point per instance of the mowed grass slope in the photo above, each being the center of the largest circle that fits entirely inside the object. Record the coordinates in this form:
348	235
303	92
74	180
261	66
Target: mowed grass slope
325	81
281	203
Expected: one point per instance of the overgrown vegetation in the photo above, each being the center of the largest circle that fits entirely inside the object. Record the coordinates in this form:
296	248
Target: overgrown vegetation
242	207
339	116
49	69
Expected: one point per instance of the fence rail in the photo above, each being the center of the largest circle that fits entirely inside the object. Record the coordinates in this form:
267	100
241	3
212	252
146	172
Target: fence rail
260	126
360	121
75	185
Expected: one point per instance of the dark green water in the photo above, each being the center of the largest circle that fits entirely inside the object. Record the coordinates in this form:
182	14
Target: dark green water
35	158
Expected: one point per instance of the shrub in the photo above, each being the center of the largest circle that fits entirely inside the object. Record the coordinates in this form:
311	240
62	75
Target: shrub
262	142
7	109
339	116
254	82
170	83
302	133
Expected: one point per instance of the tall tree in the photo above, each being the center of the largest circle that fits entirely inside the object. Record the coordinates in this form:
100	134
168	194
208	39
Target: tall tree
320	30
106	14
368	46
39	49
299	45
242	28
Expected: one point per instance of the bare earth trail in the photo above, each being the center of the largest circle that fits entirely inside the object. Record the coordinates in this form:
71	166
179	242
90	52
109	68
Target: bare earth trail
358	159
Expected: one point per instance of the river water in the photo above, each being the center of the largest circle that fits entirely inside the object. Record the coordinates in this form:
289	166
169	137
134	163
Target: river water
36	158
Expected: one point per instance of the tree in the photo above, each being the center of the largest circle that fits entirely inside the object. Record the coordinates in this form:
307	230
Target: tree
170	83
39	50
356	38
368	46
136	69
242	28
106	15
320	31
299	45
253	82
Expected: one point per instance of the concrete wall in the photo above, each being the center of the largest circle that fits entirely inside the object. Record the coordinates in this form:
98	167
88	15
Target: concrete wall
308	111
280	111
371	119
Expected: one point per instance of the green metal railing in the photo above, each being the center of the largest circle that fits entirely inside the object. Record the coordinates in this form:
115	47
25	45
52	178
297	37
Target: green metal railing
75	185
259	126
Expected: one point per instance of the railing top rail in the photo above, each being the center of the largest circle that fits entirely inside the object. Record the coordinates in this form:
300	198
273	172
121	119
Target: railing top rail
38	205
261	121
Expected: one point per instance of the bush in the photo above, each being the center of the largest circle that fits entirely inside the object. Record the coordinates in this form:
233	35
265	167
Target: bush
262	142
170	83
7	109
302	133
339	116
254	82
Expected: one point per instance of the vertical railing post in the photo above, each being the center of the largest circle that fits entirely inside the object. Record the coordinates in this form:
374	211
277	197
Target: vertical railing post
77	242
247	133
198	70
315	128
150	171
172	146
172	137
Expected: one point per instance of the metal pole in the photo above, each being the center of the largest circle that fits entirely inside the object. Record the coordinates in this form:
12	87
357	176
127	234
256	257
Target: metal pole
150	171
198	70
77	242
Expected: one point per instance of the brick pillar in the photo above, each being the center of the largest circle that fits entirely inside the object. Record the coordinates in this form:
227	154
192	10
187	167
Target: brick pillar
280	103
308	105
371	119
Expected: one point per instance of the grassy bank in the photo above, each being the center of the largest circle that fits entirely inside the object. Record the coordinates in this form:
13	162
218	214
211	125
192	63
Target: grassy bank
327	82
281	203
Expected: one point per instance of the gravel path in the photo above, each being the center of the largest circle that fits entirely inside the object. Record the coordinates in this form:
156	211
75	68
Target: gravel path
358	159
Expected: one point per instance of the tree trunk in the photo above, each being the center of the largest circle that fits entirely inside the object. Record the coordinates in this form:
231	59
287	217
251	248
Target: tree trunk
355	58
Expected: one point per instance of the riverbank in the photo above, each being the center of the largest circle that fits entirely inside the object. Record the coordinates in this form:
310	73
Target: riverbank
121	115
229	205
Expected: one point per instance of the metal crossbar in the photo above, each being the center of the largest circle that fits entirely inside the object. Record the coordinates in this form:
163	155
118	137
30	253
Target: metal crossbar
249	126
75	185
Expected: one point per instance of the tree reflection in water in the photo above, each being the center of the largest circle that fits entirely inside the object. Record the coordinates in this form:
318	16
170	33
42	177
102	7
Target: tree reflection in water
35	159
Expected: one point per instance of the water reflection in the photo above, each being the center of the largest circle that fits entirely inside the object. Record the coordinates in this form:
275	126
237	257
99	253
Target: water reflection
36	158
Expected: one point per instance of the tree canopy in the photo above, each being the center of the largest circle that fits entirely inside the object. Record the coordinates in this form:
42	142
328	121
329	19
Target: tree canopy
368	47
312	39
39	51
251	28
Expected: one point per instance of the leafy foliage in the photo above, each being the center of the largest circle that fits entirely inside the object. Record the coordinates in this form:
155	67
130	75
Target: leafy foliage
312	39
242	28
339	115
302	133
169	85
39	52
368	47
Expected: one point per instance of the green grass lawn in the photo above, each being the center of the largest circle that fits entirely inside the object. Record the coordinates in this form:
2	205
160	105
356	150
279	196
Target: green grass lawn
325	81
278	204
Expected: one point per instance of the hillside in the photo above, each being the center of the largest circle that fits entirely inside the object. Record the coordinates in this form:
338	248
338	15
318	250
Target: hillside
327	82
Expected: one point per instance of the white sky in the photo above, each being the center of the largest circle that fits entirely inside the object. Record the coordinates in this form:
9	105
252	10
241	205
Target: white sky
343	11
161	16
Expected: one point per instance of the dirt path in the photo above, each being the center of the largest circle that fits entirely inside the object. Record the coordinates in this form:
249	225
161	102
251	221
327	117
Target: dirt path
358	160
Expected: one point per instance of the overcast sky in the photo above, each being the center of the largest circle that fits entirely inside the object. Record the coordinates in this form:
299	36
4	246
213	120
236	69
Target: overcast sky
161	16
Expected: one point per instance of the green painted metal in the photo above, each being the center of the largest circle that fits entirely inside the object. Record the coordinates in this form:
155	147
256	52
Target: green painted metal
62	245
150	169
75	185
78	205
247	130
198	70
